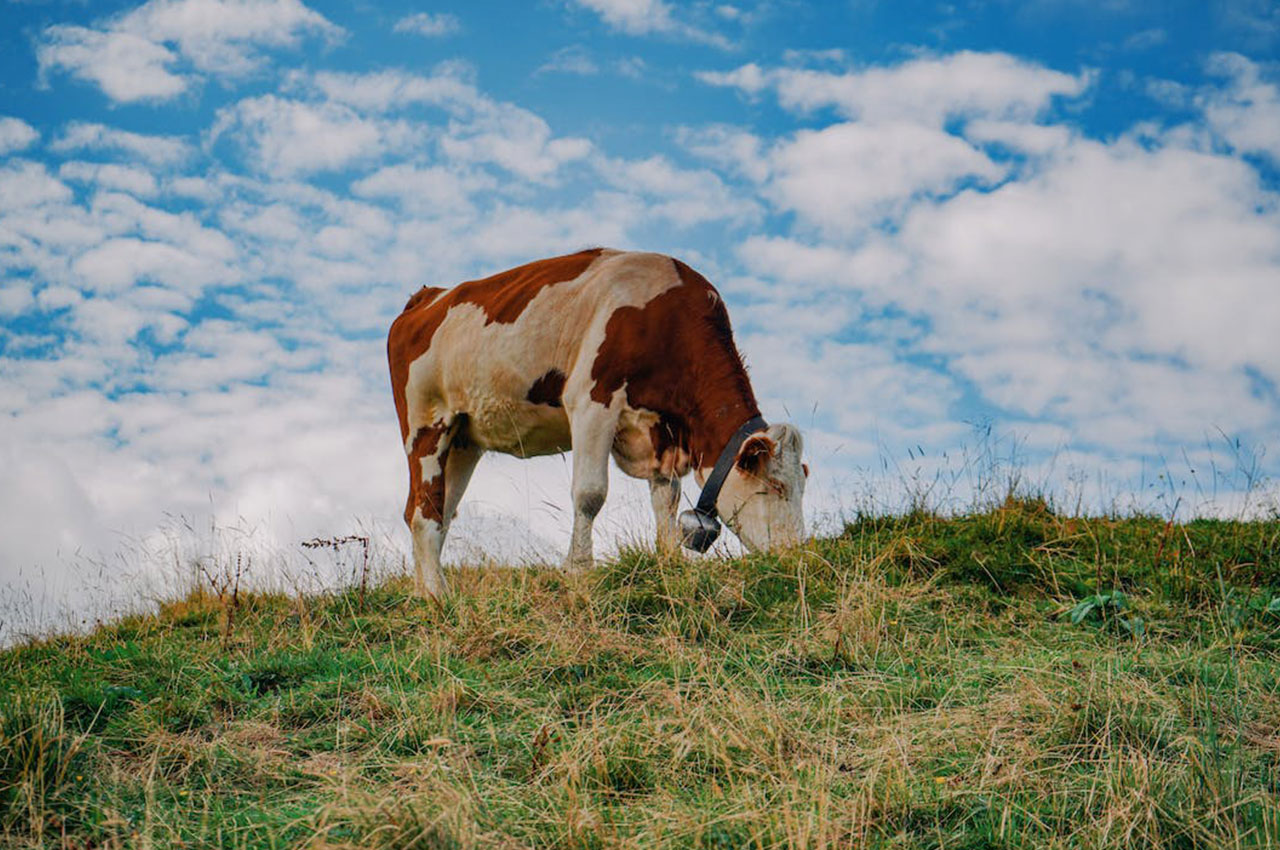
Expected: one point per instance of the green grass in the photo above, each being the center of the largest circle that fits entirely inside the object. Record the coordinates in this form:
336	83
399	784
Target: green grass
914	682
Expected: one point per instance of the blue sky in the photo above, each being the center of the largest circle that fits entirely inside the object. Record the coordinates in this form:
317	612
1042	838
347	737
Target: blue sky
1055	220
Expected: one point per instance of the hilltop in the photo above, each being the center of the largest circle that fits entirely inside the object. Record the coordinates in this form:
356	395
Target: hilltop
1009	678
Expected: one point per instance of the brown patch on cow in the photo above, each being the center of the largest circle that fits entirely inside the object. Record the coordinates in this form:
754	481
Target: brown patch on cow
423	494
426	440
676	357
548	389
503	297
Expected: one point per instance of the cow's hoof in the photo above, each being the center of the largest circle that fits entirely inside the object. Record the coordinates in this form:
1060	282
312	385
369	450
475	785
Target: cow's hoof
436	595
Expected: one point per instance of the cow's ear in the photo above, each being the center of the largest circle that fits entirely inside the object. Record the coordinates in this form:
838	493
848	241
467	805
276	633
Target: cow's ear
754	454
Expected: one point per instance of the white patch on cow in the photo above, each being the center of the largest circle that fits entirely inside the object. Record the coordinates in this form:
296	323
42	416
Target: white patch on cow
430	466
428	539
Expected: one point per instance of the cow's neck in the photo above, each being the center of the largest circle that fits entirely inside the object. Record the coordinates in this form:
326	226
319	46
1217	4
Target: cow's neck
717	415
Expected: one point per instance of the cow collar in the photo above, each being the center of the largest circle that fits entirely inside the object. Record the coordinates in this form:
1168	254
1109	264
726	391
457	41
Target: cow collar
711	487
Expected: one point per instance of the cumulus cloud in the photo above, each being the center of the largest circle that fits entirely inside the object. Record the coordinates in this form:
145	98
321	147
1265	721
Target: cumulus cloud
928	91
1246	111
126	66
135	181
429	24
89	136
649	17
156	51
449	87
482	130
431	190
684	196
285	137
900	143
15	134
846	176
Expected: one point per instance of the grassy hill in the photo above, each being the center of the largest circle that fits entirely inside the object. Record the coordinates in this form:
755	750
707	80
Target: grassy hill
914	682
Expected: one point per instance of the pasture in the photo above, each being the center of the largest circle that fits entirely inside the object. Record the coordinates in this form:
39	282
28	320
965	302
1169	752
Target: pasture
971	681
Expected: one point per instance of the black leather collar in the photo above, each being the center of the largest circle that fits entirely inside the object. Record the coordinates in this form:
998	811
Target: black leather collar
711	487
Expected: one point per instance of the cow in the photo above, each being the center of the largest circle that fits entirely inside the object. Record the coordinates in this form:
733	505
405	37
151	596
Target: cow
604	352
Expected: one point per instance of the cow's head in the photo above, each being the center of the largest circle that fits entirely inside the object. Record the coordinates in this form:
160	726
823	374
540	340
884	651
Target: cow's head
761	500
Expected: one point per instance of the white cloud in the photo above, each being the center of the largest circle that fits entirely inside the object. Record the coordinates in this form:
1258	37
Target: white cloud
573	59
731	148
126	66
843	178
684	196
122	178
1246	112
433	190
481	130
515	139
25	184
143	54
387	91
157	150
15	135
286	137
226	36
805	375
637	17
646	17
927	90
899	146
125	262
428	24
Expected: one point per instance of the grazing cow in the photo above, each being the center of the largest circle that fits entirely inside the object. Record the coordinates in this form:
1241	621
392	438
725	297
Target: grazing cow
605	352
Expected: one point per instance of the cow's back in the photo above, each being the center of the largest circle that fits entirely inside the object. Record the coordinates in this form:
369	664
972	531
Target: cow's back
511	350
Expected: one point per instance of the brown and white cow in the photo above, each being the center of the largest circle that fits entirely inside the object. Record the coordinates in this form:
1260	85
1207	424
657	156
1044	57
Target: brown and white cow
602	351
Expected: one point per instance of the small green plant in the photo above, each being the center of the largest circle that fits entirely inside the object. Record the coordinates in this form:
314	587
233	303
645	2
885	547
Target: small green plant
1242	607
1111	608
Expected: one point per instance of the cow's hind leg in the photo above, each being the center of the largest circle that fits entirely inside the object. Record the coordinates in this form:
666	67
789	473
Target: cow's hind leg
460	463
425	512
592	430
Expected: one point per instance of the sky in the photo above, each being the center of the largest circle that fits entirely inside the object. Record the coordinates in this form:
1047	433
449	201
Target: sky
958	241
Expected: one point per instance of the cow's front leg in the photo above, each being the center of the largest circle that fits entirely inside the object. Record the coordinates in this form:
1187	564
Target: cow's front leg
592	431
665	495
